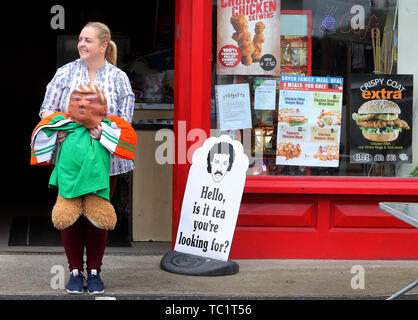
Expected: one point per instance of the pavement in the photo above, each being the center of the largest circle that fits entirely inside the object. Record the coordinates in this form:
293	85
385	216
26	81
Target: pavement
137	275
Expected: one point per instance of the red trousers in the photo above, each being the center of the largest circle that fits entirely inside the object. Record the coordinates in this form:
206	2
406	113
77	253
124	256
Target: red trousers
84	233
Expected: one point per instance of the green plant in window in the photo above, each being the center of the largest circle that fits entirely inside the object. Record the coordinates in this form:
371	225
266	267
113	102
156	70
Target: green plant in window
414	173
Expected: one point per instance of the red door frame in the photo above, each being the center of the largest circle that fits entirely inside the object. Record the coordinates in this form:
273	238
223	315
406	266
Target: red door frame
336	227
192	87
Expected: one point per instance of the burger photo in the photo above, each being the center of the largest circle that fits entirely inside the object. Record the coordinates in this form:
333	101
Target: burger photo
295	118
379	121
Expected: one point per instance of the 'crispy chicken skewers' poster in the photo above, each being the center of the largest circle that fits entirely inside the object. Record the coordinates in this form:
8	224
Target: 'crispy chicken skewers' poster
248	40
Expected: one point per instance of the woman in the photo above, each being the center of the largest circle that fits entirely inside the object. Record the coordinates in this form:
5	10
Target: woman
96	65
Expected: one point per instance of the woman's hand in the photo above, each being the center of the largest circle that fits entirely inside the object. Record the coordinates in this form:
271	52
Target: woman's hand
46	114
95	133
61	135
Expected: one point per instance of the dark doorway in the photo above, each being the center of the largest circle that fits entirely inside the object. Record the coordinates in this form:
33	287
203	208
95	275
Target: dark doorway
30	60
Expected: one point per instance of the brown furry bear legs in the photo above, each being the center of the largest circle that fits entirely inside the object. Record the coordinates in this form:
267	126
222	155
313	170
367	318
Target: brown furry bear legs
99	211
66	212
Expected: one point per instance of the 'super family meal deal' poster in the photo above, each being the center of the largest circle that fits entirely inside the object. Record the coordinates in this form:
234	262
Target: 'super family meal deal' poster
381	119
309	124
247	37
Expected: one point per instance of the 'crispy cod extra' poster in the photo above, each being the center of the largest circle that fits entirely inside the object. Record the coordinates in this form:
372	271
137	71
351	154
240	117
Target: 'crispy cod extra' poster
381	119
248	40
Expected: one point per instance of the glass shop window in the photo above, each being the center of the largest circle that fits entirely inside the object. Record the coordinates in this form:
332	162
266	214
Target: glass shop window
317	87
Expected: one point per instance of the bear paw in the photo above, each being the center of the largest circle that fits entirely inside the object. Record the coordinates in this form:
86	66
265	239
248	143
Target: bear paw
100	212
66	212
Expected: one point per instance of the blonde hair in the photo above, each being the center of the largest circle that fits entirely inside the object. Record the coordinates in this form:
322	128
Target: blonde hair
103	33
92	88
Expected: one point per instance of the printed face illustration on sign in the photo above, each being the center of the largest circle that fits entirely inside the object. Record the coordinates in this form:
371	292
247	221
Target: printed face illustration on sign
220	159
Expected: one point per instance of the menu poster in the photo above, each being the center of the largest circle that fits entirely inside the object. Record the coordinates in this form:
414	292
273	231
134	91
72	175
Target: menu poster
309	121
233	106
247	37
381	118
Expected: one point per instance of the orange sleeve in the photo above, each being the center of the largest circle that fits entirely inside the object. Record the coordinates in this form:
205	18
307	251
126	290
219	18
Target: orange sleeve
124	146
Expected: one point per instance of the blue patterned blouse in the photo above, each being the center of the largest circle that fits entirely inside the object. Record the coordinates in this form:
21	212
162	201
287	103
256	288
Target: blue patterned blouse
116	86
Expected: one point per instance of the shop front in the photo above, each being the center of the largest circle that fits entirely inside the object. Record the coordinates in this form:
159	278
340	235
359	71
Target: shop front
323	97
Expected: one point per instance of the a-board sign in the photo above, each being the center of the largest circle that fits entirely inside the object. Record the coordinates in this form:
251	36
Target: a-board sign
212	199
